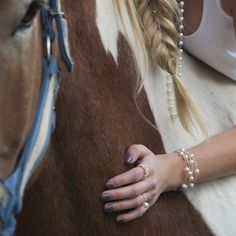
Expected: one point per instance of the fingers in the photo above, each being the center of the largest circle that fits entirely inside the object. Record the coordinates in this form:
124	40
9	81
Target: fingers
130	191
135	152
132	215
129	203
133	175
124	204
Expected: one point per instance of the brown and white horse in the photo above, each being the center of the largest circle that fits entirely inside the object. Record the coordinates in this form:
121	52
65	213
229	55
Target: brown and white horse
96	121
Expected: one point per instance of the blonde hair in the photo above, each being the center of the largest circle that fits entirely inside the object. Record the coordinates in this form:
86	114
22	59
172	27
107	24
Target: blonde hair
158	37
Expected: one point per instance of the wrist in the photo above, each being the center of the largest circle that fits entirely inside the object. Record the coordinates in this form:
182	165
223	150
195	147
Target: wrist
191	170
178	175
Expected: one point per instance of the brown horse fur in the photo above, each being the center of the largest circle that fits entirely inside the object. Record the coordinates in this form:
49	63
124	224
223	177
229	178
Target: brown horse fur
96	121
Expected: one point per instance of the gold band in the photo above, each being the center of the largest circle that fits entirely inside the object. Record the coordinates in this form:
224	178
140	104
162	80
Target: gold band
145	169
144	197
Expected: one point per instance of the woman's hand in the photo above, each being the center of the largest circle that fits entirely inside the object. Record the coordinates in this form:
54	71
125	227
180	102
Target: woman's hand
130	190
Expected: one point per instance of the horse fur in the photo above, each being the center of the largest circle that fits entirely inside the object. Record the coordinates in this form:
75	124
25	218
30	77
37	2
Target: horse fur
215	96
97	120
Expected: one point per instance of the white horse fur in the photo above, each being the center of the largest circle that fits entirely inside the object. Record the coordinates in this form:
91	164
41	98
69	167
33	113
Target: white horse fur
215	96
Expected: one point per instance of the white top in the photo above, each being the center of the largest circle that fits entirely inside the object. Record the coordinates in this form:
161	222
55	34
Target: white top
214	41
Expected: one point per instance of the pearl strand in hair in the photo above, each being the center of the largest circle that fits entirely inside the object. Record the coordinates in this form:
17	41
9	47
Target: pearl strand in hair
170	88
181	35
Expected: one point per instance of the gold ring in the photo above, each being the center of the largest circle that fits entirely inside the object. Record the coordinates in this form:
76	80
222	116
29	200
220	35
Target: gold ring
146	205
145	169
144	197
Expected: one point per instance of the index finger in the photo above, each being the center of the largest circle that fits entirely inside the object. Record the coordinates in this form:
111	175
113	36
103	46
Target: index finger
133	175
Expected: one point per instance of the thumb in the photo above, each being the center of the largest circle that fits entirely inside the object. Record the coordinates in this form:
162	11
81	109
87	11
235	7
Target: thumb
135	153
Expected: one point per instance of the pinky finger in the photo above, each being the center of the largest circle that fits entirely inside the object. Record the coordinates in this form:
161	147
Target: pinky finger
131	215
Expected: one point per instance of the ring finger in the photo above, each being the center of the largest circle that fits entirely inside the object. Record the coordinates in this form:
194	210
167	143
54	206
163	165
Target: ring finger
133	214
128	203
127	192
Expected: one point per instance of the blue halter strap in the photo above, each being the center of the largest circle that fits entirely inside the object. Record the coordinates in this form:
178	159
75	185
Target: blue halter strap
12	189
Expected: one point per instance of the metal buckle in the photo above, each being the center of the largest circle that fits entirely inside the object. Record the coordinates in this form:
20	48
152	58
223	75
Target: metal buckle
48	47
60	14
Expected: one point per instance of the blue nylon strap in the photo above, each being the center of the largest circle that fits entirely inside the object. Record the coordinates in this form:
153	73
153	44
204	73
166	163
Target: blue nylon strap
54	12
13	184
13	188
62	34
47	25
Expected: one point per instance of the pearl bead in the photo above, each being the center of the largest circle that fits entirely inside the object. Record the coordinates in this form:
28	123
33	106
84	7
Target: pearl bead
181	27
190	173
181	3
173	115
191	178
184	186
146	204
182	10
197	171
186	169
192	185
181	18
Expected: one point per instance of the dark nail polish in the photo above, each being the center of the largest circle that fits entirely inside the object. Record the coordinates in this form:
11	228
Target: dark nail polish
110	186
128	159
105	197
120	220
109	208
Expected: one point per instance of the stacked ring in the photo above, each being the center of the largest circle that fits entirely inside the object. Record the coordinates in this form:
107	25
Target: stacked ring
144	197
145	169
145	203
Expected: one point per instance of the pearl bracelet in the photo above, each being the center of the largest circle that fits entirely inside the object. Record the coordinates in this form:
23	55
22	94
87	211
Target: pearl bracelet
191	168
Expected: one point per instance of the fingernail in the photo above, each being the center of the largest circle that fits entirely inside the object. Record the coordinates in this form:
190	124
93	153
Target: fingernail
120	220
108	208
110	186
128	158
105	197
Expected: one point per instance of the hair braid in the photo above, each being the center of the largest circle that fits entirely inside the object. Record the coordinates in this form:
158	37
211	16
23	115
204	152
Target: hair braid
159	34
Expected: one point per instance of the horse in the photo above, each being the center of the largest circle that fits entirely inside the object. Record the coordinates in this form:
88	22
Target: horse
97	119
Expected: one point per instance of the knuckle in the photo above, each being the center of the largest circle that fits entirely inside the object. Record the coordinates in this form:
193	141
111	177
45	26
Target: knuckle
134	192
140	200
118	206
153	185
118	181
136	174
